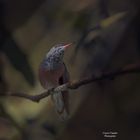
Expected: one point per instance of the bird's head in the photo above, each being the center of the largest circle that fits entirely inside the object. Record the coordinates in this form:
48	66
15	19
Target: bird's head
56	53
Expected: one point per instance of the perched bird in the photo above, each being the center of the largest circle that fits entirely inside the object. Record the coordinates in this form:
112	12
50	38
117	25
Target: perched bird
52	73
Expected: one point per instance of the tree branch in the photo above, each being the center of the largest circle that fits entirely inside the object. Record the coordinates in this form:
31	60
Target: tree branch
132	68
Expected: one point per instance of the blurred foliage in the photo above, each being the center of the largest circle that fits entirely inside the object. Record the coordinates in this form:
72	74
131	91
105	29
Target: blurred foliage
106	35
10	48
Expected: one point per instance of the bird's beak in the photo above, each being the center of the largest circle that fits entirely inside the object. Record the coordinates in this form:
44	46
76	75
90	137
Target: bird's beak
67	45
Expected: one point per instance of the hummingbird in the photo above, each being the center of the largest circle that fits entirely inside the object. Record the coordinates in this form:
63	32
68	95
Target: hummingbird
53	72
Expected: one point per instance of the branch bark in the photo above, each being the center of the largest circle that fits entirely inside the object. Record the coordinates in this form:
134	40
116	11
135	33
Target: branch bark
132	68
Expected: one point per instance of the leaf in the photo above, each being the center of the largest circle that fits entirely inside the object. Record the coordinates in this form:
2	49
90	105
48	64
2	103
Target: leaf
112	19
19	60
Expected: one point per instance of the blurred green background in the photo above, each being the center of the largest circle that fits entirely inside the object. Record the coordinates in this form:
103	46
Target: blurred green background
106	37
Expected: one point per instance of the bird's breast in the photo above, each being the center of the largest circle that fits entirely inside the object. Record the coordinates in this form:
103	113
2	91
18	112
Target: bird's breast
50	78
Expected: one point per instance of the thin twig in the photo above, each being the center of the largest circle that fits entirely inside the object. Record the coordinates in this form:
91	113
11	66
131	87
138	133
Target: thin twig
133	68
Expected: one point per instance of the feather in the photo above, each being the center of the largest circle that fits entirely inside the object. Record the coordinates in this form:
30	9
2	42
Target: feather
61	99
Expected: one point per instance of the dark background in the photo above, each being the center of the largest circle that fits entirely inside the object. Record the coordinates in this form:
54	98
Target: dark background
106	36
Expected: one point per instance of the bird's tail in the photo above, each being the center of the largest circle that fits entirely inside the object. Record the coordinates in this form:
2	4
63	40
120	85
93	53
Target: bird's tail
61	103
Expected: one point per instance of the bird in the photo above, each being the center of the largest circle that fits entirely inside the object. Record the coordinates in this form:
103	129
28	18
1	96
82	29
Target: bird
52	73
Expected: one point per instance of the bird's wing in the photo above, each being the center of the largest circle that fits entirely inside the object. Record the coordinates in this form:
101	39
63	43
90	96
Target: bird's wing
64	79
